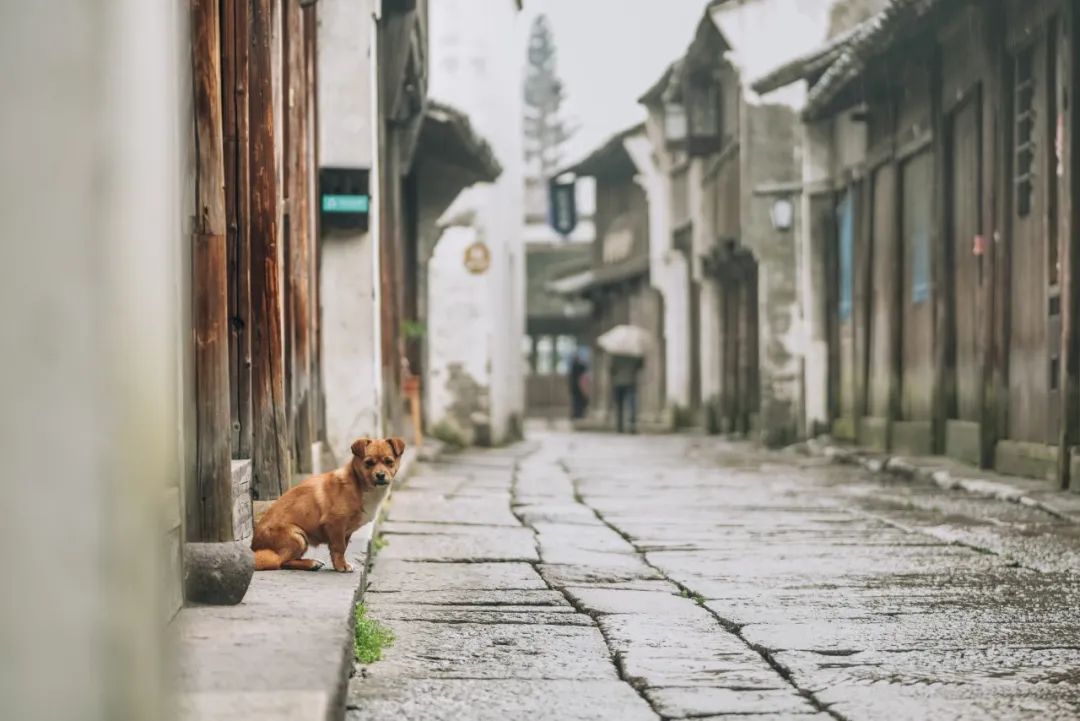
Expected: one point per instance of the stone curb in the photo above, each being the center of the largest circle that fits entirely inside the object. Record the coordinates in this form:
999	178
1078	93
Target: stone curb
911	470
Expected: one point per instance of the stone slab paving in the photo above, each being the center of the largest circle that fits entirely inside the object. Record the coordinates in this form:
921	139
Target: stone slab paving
480	634
604	577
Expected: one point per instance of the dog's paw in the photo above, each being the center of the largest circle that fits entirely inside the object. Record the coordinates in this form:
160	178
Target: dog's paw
316	565
347	568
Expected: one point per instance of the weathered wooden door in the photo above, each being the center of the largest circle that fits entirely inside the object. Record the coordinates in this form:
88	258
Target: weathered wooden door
738	338
967	247
845	303
1035	303
884	278
917	307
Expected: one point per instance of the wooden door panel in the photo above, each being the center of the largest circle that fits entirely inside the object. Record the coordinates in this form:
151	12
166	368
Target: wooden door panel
917	375
965	201
1028	357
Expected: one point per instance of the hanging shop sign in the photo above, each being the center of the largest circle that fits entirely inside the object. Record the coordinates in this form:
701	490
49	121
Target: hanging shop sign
562	205
344	198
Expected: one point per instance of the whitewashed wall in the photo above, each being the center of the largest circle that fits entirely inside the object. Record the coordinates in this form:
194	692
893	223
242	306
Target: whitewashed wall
90	190
348	288
477	65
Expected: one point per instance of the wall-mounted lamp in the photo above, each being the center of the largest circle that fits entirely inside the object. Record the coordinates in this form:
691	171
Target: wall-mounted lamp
782	214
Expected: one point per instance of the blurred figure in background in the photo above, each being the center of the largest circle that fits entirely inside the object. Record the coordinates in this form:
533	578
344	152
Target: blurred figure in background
578	376
624	375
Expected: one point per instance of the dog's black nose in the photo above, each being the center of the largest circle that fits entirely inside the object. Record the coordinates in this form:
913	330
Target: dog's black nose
380	477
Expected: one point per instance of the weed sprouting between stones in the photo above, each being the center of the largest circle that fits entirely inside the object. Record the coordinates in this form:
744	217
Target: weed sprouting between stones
371	637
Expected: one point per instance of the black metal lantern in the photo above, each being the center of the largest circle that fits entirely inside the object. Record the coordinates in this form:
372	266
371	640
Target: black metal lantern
704	110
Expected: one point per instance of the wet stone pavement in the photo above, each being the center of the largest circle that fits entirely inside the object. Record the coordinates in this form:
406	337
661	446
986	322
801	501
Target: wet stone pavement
603	577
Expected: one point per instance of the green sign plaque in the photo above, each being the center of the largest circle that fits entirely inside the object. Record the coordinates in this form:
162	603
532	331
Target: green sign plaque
345	203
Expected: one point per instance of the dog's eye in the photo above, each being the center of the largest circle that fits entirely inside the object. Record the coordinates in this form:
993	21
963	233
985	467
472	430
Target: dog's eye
388	461
370	463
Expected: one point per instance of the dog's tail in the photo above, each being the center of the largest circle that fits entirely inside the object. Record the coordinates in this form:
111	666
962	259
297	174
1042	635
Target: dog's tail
267	560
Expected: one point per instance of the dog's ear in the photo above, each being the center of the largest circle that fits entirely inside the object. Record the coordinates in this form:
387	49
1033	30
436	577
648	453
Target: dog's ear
359	447
398	444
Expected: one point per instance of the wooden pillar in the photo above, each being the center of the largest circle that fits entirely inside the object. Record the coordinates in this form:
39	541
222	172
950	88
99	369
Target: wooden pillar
1070	254
864	299
211	519
269	450
944	389
389	249
1000	109
235	51
310	21
297	254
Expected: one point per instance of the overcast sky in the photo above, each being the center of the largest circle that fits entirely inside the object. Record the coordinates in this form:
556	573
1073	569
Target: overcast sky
609	53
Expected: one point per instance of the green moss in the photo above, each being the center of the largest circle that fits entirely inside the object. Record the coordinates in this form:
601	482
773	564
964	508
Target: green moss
378	543
371	637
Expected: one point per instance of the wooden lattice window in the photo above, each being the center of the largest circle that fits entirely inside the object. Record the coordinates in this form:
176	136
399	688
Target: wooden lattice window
1024	129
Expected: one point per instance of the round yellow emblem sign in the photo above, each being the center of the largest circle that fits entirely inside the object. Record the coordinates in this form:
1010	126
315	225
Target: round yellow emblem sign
477	258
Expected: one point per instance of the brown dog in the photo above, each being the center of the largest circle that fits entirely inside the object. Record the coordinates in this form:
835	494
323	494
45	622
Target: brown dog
327	508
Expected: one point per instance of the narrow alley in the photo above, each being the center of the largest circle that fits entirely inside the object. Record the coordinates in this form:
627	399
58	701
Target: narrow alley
582	576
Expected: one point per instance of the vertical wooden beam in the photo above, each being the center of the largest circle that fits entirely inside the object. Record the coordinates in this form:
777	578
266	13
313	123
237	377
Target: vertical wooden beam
242	321
269	450
298	255
234	58
289	88
944	389
301	302
212	518
1069	207
1001	256
863	269
389	248
228	120
311	69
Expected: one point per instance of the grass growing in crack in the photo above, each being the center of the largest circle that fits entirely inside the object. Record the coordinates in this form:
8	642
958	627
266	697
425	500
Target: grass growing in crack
378	543
695	597
370	637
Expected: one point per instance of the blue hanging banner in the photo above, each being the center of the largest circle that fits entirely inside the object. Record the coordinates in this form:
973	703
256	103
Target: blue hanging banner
562	206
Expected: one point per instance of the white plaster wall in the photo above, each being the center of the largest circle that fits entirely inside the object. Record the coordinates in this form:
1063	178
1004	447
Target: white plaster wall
348	284
710	340
667	271
90	309
477	65
815	172
350	341
346	119
765	34
459	326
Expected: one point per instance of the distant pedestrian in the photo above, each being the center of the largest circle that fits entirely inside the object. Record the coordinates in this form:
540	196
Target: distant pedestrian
579	397
624	375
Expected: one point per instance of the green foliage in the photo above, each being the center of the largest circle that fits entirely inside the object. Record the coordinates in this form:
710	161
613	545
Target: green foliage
683	417
413	329
371	637
449	434
378	543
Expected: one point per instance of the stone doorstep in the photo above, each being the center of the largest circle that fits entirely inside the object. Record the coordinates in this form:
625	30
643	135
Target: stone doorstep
951	474
285	652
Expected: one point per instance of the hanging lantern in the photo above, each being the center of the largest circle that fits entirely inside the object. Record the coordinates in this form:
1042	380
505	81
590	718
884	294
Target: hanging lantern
675	125
703	113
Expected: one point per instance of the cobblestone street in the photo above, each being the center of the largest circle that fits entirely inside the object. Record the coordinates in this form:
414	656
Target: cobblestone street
603	577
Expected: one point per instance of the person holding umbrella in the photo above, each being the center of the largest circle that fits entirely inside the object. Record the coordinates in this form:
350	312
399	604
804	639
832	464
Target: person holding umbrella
624	372
626	344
